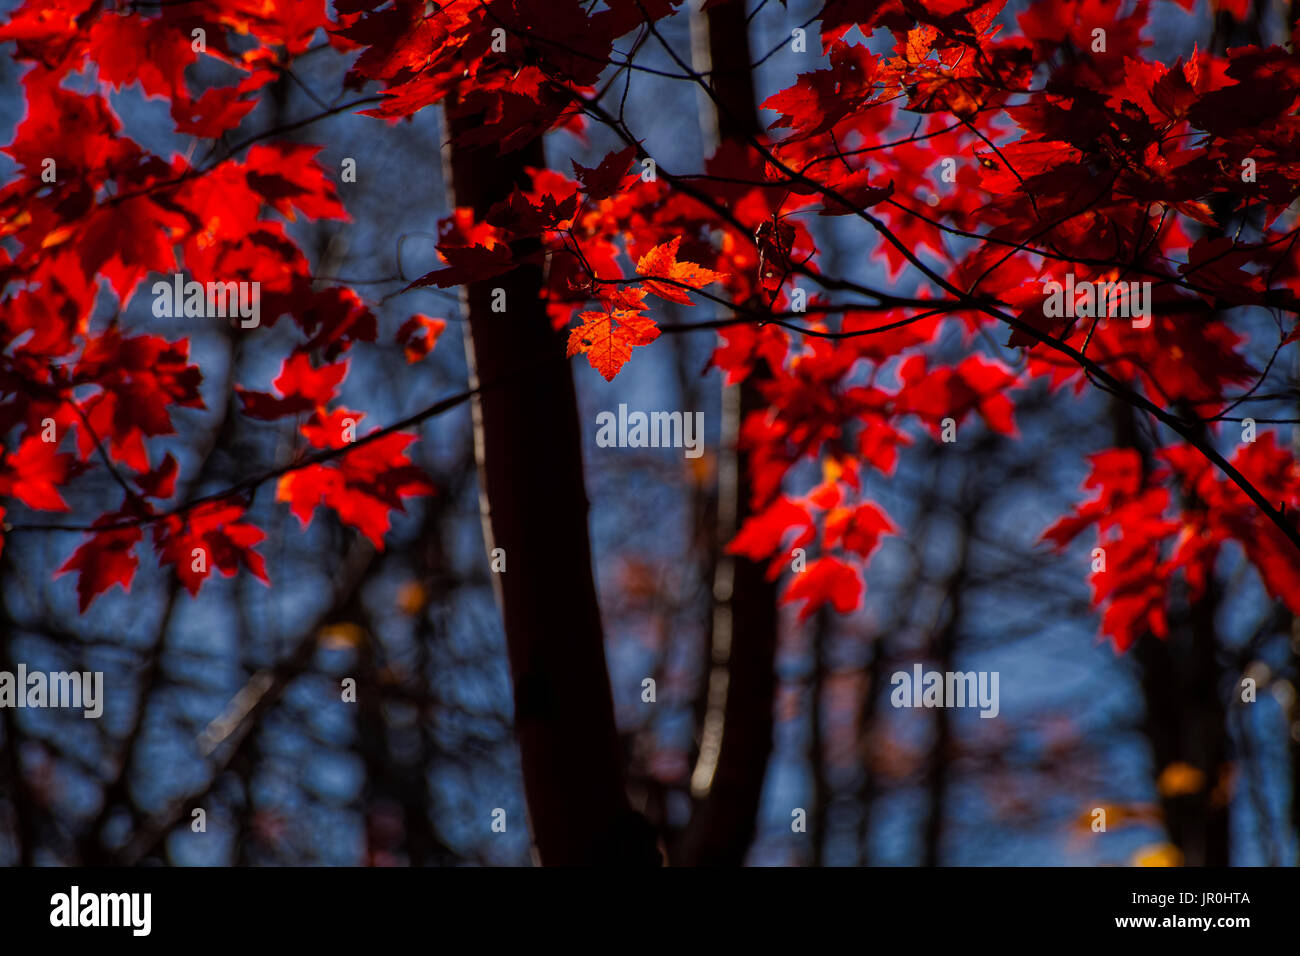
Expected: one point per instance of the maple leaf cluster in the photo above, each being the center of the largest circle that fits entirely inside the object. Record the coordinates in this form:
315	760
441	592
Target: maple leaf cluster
980	156
89	202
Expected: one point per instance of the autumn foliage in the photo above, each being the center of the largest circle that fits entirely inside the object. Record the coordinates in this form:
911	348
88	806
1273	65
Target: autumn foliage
1066	156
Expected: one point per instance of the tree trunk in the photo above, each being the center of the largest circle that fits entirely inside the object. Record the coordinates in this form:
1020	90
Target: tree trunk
1291	707
534	507
737	732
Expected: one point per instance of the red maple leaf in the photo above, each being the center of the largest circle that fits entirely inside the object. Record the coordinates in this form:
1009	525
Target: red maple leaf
418	335
607	338
467	264
301	387
363	486
105	559
826	580
605	179
208	537
33	473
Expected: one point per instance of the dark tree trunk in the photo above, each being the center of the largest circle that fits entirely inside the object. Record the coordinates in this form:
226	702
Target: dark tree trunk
1291	713
737	735
534	506
822	636
1185	723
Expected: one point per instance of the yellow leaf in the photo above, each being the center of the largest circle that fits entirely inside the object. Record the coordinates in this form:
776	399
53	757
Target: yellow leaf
701	469
341	635
411	598
1158	854
1179	779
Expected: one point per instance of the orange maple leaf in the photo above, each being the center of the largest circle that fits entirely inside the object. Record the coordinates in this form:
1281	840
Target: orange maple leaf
607	338
662	261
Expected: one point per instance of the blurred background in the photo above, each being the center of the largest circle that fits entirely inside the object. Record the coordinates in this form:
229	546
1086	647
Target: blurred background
230	701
